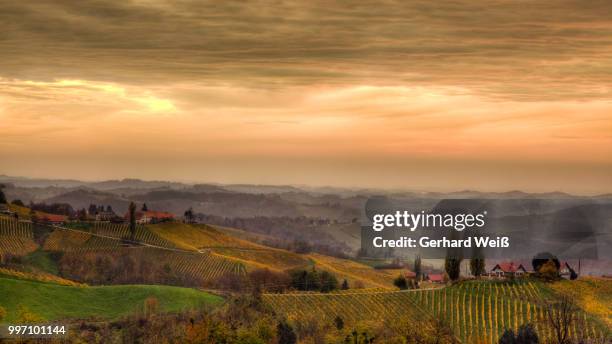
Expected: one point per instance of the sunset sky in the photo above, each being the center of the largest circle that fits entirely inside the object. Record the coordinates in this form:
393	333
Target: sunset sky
419	95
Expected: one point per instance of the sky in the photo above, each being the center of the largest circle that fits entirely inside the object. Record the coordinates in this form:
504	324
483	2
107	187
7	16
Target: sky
418	95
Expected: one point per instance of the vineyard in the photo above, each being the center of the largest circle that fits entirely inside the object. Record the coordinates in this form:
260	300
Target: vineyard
353	271
69	241
476	311
353	307
16	237
122	231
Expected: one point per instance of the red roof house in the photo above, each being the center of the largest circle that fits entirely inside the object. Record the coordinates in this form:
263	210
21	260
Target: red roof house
436	278
151	216
506	269
53	219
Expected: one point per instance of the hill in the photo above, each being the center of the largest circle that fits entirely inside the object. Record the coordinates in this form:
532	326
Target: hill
107	302
477	311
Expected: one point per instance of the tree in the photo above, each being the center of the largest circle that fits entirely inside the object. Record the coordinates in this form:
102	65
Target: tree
477	262
17	202
549	271
560	316
417	267
527	334
345	285
109	209
339	323
542	258
329	282
132	212
508	337
401	282
285	333
151	306
189	216
452	266
144	207
25	316
2	196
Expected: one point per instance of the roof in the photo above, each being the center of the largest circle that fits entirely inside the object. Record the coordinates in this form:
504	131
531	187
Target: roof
509	267
151	214
436	277
53	218
409	274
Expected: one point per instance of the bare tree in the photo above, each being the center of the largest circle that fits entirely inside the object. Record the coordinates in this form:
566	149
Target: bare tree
560	316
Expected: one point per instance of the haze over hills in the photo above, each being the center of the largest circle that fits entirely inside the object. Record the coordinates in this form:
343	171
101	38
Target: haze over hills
328	218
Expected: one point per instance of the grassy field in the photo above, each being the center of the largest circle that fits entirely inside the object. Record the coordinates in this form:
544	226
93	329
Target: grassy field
51	301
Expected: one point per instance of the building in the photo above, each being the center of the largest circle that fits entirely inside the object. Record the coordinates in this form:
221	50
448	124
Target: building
4	209
144	217
436	278
508	269
105	215
53	219
410	274
565	270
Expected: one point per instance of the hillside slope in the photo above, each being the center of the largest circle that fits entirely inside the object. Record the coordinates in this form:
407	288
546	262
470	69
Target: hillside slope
52	301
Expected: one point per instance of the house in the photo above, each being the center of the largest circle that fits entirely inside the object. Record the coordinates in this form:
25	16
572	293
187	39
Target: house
105	215
150	216
508	269
4	209
565	270
409	274
436	278
53	219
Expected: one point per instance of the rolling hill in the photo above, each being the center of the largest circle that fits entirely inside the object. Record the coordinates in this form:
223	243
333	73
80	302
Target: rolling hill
52	301
477	311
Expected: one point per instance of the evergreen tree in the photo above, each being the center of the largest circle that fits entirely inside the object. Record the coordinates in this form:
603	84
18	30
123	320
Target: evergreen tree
2	196
345	285
477	262
144	207
452	265
132	212
417	267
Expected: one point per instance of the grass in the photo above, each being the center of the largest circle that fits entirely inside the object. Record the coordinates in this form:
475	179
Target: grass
52	302
42	260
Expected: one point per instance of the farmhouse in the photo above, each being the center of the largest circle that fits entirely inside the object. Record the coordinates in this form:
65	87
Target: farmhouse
436	278
53	219
105	215
144	217
565	270
4	209
508	269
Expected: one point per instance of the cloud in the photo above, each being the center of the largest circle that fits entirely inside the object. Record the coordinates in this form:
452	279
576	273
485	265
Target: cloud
504	49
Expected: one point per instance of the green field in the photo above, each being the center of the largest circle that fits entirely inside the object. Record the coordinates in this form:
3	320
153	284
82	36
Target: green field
52	301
